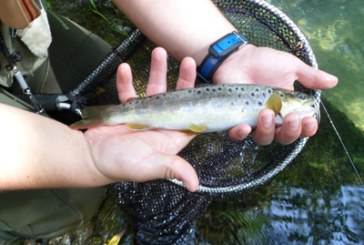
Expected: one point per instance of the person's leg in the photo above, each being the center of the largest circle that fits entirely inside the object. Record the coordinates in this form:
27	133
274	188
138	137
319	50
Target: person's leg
73	54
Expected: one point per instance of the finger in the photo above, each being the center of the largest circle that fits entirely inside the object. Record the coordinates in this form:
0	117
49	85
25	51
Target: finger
124	83
265	131
290	129
172	167
187	74
158	72
239	132
180	169
309	126
315	79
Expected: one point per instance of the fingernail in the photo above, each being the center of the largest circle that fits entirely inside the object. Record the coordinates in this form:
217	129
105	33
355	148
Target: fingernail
242	133
293	125
310	126
267	121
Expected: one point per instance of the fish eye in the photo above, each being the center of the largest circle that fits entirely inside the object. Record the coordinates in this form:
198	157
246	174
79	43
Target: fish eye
302	96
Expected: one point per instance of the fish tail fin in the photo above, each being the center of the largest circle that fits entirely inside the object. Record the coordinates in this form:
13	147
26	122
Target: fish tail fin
91	117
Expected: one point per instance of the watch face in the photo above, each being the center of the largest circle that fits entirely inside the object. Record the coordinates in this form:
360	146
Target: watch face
218	52
227	44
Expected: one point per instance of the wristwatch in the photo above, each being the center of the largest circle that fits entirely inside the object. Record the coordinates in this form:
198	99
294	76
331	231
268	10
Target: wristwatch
218	52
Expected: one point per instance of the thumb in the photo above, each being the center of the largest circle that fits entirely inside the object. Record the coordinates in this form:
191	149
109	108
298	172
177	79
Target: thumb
175	167
314	78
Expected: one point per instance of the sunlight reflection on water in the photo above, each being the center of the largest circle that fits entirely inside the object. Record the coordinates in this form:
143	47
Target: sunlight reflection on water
298	215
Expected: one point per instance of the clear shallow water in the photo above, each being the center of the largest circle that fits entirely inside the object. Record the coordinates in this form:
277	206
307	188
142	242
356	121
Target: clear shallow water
335	31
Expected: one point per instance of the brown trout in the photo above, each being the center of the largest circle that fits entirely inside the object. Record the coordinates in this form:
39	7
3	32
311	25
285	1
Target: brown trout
205	109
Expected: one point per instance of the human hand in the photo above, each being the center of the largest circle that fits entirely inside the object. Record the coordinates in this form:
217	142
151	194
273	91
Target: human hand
122	154
260	65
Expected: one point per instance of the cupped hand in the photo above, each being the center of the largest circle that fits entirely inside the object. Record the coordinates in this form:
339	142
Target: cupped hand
266	66
123	154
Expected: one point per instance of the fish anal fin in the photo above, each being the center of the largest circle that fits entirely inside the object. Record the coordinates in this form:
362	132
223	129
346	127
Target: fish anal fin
197	128
137	126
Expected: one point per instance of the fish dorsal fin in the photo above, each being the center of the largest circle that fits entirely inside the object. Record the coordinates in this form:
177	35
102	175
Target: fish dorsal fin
274	103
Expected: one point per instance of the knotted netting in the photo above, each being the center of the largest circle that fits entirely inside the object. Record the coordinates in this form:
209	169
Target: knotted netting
164	212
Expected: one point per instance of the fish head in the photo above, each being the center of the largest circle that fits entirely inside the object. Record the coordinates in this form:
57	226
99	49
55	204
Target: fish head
284	102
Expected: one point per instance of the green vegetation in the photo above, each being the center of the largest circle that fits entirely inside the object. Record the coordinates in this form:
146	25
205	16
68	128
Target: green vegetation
100	17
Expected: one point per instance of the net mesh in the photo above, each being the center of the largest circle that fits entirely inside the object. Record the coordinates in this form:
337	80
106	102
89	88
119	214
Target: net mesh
164	211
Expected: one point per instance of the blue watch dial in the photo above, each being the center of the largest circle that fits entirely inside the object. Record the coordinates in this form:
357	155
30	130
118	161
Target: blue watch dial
218	52
227	44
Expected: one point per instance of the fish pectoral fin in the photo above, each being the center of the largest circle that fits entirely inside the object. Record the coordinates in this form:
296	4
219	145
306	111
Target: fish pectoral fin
274	103
137	126
198	128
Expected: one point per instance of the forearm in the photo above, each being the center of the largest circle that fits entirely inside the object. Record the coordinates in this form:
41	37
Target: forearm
183	27
37	152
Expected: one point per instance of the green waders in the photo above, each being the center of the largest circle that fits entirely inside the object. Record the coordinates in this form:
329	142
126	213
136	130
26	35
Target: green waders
73	54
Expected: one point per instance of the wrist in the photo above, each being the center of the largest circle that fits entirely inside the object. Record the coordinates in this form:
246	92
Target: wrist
232	70
218	52
92	163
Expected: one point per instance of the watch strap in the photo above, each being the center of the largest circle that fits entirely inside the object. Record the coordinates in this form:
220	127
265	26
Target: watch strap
218	52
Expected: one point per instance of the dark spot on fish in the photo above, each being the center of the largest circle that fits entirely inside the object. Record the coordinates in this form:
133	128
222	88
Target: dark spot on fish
257	89
247	102
230	90
207	89
232	103
219	88
252	94
198	91
264	95
190	91
260	103
213	90
269	91
236	88
157	97
239	95
242	89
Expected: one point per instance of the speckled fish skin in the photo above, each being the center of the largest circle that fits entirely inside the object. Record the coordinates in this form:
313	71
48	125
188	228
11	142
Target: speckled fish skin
204	109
